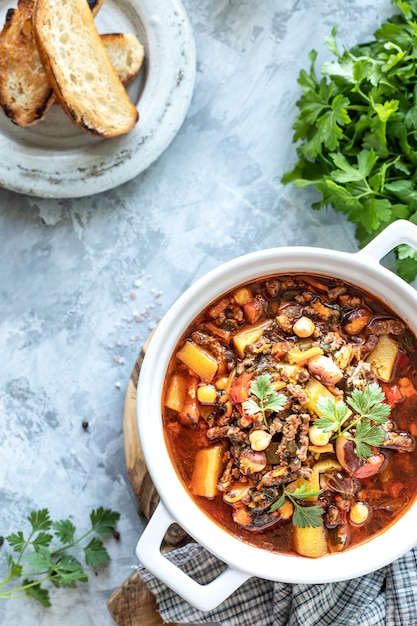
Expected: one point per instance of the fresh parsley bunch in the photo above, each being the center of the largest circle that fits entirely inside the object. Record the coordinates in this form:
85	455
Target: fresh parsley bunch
37	560
357	131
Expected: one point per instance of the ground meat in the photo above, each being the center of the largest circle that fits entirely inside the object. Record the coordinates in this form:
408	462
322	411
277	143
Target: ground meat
369	344
302	376
227	479
387	327
398	441
272	287
331	342
276	426
298	393
288	446
304	298
349	301
284	323
274	478
336	292
360	376
258	346
233	433
221	353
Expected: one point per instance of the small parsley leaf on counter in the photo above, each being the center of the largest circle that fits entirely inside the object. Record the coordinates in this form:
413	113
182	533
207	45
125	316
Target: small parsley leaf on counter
46	553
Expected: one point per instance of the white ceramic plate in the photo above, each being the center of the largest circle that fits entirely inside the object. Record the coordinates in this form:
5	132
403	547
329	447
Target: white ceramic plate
57	160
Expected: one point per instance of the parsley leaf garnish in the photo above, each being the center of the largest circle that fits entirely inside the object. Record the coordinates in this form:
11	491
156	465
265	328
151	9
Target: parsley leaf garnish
369	403
268	399
43	556
361	425
356	131
303	516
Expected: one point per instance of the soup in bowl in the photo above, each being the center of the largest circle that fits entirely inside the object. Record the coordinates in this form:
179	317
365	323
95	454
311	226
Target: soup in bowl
276	412
289	411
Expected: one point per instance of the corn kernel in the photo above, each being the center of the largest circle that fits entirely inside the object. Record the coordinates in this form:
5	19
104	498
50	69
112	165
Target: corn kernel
206	394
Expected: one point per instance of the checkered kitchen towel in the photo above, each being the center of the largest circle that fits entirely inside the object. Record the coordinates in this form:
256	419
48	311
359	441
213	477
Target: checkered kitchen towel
387	597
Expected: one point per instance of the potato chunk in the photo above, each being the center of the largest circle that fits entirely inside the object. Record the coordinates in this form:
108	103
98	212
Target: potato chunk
207	469
199	360
383	356
310	541
248	335
176	392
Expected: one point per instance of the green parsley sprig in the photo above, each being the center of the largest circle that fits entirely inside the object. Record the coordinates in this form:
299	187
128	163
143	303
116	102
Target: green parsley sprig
356	131
38	561
268	399
363	425
303	516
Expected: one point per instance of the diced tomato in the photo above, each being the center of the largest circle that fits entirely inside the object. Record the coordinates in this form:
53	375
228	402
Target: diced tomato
239	391
254	309
392	393
402	360
395	488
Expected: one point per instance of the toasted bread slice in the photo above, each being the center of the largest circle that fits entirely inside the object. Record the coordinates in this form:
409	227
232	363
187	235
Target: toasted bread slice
79	69
25	90
126	54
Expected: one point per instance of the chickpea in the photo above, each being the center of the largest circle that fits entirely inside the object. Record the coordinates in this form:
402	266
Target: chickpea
259	440
206	394
242	295
303	327
359	513
317	436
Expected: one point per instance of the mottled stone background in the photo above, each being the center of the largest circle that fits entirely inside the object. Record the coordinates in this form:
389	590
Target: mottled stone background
84	281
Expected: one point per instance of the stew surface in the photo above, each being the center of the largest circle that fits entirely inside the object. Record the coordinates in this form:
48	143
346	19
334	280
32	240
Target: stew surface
290	411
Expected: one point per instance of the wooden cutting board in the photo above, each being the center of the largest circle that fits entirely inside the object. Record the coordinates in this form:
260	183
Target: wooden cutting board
132	604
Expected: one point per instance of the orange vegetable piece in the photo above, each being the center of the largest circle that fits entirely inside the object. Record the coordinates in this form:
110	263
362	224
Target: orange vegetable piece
254	308
310	541
176	392
239	391
190	412
207	469
199	360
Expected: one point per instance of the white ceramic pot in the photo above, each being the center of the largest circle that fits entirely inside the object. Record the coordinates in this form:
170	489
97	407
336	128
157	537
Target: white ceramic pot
244	561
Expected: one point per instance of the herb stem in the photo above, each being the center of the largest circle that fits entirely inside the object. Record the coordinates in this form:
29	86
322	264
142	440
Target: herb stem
73	544
34	583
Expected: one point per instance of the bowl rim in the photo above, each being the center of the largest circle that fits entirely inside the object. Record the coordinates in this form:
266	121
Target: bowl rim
358	269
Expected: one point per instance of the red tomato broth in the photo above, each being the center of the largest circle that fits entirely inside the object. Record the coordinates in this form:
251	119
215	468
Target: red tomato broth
388	493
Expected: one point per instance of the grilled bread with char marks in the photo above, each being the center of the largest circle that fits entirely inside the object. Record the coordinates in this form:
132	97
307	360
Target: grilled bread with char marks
79	69
26	93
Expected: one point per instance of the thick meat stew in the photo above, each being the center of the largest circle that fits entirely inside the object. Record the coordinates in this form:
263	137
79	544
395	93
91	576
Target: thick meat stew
290	411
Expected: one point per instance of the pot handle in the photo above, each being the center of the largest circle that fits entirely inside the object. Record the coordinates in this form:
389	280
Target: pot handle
401	231
203	597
